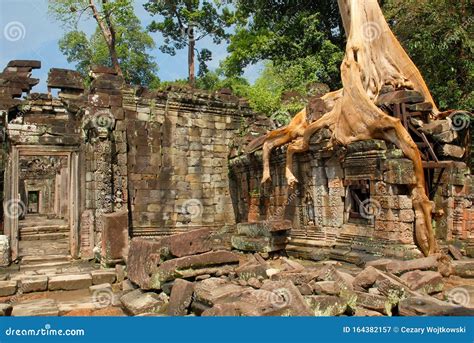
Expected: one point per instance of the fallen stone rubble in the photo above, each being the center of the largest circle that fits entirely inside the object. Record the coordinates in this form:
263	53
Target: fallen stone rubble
197	274
198	279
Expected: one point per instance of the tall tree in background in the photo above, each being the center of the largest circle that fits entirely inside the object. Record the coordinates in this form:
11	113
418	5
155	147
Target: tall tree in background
438	36
119	40
184	22
304	34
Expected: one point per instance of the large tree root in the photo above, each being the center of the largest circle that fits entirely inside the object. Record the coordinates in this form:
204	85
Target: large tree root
374	59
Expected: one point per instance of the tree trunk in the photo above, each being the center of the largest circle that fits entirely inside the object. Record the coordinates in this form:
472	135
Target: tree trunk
191	63
108	31
374	58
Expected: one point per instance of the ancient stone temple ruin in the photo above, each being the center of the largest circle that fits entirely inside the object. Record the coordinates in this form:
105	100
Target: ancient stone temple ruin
155	187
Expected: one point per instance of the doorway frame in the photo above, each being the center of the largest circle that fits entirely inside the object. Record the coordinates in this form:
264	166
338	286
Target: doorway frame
12	191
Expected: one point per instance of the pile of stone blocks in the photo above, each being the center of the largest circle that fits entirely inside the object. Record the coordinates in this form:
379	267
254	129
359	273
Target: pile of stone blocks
262	237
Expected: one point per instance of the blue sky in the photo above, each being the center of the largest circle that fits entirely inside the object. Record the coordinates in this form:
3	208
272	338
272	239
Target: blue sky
28	32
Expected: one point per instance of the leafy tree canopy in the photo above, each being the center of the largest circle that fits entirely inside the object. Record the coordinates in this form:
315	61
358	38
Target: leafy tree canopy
288	33
438	37
132	42
184	22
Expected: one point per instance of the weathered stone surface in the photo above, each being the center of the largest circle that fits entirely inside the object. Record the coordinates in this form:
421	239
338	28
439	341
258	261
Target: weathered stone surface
298	278
33	64
426	263
33	308
4	251
189	243
363	312
5	310
215	290
251	303
137	302
115	240
121	272
454	251
429	306
326	305
7	288
65	78
260	244
325	287
426	281
366	278
139	253
103	276
374	302
286	294
170	269
263	228
251	269
181	297
435	127
69	282
104	287
33	284
450	150
464	268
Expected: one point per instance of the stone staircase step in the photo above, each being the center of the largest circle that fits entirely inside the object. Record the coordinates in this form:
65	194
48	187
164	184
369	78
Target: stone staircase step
41	307
44	229
48	265
44	236
29	260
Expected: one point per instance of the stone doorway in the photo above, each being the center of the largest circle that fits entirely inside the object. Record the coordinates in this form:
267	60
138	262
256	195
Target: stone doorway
42	201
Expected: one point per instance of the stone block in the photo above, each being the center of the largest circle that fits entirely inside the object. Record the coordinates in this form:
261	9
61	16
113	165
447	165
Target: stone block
103	276
180	298
33	284
325	287
425	263
137	302
115	241
287	295
428	282
35	308
171	269
7	288
366	278
69	282
263	228
326	305
215	290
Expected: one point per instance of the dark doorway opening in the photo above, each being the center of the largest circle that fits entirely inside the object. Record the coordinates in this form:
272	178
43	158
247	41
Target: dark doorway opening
33	202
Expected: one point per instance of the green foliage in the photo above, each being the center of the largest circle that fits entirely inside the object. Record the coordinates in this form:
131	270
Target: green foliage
438	37
302	35
184	21
132	42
